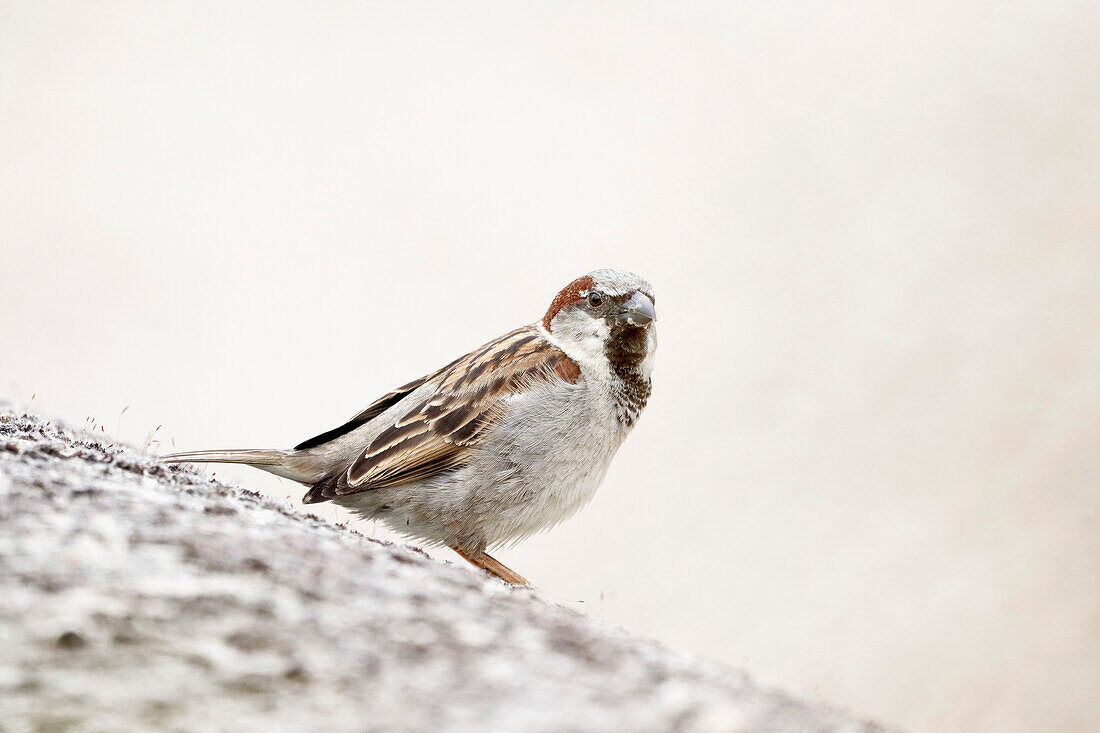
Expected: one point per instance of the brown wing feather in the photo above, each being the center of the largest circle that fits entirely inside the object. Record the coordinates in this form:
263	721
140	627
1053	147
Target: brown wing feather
437	434
372	411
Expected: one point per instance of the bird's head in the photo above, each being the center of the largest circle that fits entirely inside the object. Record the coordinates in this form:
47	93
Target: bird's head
606	316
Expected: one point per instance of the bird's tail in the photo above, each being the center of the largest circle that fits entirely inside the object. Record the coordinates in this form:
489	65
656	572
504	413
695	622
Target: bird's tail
251	457
283	463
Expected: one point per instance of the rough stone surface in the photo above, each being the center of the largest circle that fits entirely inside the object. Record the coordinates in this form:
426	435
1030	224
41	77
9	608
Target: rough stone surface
136	596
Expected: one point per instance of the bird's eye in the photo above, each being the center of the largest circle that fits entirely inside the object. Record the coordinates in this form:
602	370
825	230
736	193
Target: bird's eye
594	298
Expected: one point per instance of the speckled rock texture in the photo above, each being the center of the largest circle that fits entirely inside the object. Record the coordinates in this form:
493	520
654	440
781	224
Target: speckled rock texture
138	596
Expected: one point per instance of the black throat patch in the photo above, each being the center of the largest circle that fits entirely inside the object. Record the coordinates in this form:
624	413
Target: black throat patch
626	348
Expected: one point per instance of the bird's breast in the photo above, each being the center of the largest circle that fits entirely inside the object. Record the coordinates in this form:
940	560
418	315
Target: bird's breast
544	459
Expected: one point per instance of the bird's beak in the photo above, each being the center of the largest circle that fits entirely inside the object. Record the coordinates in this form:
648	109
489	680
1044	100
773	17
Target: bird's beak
638	311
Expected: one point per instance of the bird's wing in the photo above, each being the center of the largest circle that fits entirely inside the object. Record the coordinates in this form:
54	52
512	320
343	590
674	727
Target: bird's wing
441	428
372	411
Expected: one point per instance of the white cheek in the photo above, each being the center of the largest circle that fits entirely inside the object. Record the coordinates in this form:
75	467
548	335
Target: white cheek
592	339
582	338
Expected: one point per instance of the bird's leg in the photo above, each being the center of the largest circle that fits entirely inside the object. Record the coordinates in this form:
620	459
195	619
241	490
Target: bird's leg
495	567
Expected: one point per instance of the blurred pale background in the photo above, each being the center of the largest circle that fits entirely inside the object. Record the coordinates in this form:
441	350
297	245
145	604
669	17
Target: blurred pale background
870	467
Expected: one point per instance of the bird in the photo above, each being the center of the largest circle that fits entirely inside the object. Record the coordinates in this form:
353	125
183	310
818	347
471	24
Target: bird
499	444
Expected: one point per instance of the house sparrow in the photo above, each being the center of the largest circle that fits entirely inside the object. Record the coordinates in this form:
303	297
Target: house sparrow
510	439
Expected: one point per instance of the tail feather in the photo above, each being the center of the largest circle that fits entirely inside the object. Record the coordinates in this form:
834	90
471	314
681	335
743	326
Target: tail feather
252	457
304	469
